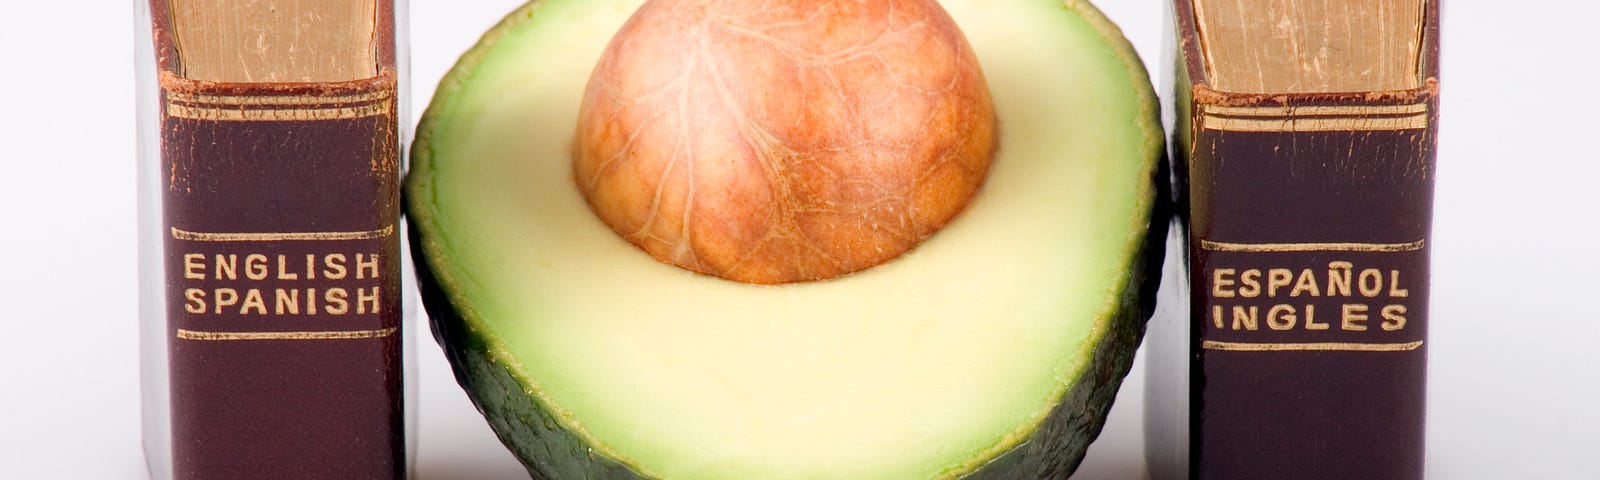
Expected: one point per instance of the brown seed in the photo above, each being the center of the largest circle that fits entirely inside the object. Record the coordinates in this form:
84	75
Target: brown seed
771	142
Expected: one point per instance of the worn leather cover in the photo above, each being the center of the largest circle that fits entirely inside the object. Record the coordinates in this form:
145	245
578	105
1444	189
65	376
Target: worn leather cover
280	203
1309	230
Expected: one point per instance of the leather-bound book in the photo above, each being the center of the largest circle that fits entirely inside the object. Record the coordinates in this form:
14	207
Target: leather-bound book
279	166
1303	140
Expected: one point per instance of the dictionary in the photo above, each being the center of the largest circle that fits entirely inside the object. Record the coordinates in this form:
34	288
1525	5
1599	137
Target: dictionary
271	257
1303	142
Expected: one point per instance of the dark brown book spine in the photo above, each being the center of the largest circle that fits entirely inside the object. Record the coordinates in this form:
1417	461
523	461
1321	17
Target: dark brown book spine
280	208
1309	234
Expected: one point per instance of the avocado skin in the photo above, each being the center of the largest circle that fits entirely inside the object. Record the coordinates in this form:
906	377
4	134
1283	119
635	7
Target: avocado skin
1056	449
547	450
1053	451
550	452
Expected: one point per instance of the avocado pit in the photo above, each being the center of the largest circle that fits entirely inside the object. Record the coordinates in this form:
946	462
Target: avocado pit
776	142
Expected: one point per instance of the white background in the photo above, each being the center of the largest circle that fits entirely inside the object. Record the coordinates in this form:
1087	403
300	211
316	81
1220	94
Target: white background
1515	346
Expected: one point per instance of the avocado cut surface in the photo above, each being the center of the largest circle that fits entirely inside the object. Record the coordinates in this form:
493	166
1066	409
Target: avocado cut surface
992	350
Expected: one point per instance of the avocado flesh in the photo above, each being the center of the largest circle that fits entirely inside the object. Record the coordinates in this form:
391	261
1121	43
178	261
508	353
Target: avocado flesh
990	351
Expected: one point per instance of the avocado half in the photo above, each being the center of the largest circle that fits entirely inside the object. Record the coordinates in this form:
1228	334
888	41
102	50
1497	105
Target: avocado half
992	350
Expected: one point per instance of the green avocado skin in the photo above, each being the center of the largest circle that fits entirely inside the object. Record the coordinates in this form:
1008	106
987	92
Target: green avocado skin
1057	447
1053	451
547	450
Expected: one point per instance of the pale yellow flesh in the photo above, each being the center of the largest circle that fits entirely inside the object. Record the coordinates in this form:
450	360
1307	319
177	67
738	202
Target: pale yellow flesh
918	368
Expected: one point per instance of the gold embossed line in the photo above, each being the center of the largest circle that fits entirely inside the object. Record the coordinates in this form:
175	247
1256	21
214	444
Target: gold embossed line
1317	110
1315	118
323	335
181	234
1310	247
244	114
1354	124
1310	346
208	99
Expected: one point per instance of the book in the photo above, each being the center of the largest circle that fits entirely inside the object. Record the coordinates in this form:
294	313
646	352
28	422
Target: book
1304	144
279	149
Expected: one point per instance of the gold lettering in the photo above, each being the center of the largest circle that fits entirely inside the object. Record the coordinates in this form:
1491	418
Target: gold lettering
252	299
1394	317
1220	281
197	301
194	268
335	264
1311	319
225	297
228	267
288	301
1245	319
1376	286
337	305
1280	317
362	298
311	301
1394	289
1216	316
1354	318
1306	283
1250	282
1276	278
283	271
255	266
1336	282
311	266
362	266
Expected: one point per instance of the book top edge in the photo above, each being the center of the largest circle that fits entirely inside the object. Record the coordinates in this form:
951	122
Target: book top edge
1198	55
274	45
